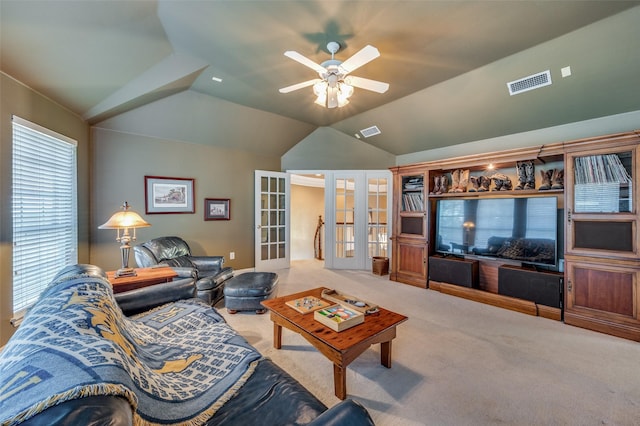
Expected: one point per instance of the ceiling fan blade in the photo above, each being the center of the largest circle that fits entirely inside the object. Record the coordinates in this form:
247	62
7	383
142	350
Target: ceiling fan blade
365	83
299	85
363	56
305	61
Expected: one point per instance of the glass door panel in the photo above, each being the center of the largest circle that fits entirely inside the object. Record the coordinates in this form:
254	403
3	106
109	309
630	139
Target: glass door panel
345	218
377	217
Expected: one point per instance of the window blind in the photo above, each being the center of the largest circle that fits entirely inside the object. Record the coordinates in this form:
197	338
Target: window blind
44	209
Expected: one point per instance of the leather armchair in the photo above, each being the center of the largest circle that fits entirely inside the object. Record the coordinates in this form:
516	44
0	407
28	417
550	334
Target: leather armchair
175	252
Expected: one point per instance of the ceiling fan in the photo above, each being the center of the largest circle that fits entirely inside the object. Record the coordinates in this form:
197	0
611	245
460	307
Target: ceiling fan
335	85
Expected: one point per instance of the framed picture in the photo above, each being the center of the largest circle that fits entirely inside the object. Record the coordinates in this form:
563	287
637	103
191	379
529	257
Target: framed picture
168	195
217	209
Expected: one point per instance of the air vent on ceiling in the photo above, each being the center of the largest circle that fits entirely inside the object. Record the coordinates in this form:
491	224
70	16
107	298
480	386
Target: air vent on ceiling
529	83
370	131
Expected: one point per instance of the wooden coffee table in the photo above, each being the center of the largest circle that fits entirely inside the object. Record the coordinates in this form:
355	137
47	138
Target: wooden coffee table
340	347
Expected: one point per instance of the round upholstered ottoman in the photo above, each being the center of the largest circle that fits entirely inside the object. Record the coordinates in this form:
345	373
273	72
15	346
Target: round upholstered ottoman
244	292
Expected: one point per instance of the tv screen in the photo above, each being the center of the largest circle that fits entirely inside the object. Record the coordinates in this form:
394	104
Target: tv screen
523	229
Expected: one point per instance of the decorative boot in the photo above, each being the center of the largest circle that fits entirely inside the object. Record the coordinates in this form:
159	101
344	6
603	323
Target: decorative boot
455	180
499	180
444	184
557	179
475	183
522	174
546	179
530	173
506	184
436	185
464	181
485	182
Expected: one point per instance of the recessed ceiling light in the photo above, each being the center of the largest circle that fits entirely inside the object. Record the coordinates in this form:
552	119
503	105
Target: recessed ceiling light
357	135
218	79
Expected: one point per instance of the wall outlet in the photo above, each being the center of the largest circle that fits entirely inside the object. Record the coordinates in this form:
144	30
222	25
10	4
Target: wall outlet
232	255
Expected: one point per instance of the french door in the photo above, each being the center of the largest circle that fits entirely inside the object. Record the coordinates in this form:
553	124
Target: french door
358	212
272	220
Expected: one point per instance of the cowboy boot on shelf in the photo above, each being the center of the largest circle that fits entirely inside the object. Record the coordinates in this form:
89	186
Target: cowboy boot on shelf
455	180
557	179
506	184
485	183
498	181
436	185
522	174
444	184
475	183
464	180
530	173
546	179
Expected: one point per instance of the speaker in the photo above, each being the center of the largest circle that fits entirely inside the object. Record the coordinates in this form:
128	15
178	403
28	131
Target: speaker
544	288
453	270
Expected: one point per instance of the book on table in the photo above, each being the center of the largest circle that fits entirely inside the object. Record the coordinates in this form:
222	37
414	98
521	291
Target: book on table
338	317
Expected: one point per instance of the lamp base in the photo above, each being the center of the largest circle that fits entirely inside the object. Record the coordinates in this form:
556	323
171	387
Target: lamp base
125	272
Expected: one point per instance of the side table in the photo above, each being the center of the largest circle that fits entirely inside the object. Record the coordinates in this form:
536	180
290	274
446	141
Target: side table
144	277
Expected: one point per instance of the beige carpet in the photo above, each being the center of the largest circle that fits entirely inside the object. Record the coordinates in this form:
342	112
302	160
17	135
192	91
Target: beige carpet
458	362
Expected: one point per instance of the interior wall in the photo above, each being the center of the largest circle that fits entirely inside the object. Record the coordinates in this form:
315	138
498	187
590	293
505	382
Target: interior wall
583	129
122	160
307	206
17	99
329	149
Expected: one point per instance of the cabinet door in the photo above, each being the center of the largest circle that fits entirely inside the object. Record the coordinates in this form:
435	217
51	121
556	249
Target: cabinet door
412	204
412	263
601	203
603	297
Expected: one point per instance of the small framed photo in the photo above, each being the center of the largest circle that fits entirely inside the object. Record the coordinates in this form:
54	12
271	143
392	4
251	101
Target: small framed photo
217	209
168	195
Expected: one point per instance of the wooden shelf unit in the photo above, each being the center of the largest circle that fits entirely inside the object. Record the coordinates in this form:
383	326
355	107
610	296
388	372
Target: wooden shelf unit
600	282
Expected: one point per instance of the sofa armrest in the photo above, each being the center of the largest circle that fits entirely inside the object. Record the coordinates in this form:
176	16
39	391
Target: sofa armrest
142	299
101	410
347	412
207	263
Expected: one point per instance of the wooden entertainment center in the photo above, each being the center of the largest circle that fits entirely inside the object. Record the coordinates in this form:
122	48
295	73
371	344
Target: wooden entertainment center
593	282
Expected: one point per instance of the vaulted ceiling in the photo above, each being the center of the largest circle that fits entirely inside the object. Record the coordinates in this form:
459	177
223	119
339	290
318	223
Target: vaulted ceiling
447	62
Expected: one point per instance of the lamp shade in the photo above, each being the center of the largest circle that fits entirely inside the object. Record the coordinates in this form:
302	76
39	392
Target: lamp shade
124	219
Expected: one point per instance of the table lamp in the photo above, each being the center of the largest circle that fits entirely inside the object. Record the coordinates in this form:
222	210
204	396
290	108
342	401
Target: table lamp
125	220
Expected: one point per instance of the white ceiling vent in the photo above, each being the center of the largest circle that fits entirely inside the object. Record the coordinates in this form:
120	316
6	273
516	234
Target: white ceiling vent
370	131
529	83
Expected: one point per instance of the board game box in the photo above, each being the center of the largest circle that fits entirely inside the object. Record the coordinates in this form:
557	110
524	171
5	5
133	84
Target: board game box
338	317
350	301
307	304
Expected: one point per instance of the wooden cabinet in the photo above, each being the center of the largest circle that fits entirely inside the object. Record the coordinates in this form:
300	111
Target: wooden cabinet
597	218
601	256
410	225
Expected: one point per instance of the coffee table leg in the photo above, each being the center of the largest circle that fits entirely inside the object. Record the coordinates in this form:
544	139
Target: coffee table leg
340	381
385	354
277	336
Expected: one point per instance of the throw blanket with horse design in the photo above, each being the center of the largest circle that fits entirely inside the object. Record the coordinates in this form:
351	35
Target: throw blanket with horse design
176	364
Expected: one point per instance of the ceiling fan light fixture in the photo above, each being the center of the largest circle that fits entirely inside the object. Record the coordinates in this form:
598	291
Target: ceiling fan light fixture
335	86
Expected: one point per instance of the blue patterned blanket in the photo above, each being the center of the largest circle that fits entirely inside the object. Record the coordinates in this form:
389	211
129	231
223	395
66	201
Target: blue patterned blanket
176	364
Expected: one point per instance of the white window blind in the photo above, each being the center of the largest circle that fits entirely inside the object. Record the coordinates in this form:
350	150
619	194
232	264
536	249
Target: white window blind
44	209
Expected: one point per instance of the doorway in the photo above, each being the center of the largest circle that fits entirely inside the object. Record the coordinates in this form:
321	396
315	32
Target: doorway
342	218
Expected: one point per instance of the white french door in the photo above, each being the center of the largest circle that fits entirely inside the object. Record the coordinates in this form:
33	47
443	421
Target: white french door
272	220
357	211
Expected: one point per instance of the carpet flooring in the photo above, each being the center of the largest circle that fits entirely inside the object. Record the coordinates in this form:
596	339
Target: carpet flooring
459	362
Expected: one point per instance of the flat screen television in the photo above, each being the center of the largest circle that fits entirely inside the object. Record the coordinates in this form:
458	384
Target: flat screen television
523	229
